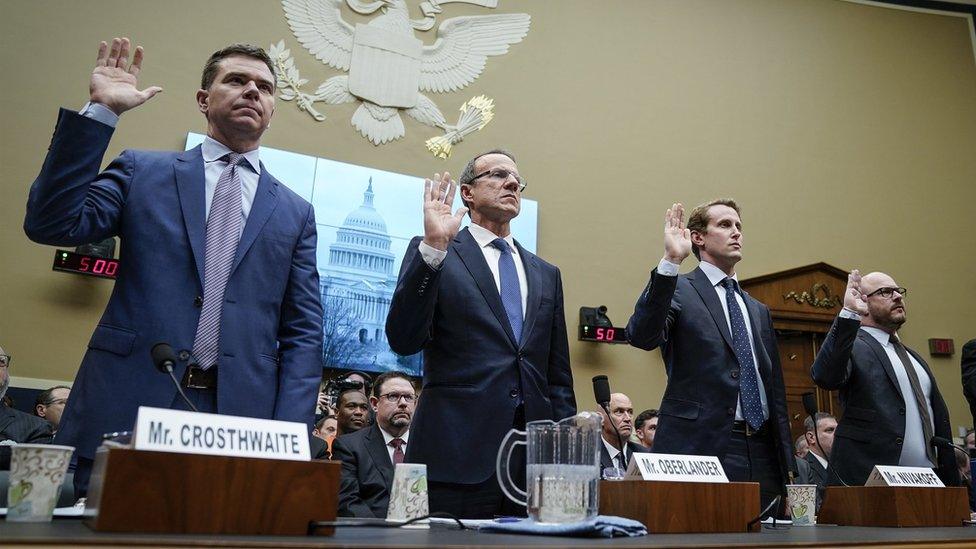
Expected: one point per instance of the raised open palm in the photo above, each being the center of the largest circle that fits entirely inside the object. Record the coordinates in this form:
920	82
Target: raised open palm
853	299
114	81
677	238
440	225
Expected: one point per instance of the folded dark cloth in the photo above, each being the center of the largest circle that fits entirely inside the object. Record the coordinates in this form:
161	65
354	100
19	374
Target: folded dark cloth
601	526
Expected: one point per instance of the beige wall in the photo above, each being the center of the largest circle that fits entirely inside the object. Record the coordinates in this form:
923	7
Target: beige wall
846	132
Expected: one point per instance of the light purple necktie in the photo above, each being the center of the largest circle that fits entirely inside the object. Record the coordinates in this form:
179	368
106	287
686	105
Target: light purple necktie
223	234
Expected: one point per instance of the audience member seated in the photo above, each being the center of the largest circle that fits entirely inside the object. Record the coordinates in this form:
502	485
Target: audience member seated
621	415
16	426
813	467
50	404
351	412
324	432
800	447
368	455
971	441
646	427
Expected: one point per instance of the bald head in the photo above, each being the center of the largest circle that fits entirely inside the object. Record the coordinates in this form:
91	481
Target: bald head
886	313
622	415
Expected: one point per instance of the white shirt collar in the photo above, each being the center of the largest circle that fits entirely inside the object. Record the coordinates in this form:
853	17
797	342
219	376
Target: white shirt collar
883	337
822	461
613	451
484	237
387	437
214	150
714	274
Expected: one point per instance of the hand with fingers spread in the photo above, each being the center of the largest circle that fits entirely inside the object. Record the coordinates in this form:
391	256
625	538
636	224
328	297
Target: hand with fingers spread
440	225
677	238
113	81
854	300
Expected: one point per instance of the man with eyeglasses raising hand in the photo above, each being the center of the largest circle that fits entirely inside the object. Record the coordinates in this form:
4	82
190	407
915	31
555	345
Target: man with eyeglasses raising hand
369	455
488	316
892	405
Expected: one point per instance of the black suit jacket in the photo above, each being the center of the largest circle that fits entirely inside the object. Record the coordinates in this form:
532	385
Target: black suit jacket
475	373
873	426
812	472
605	460
968	364
17	426
683	316
367	473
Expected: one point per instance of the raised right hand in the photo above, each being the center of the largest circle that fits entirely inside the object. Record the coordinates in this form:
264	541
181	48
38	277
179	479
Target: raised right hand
440	226
854	300
113	81
677	238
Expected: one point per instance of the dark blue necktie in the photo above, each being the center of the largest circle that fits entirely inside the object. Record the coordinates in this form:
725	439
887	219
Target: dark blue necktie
748	383
511	292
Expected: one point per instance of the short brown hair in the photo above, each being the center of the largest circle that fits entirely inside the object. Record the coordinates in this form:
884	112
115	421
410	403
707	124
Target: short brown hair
386	376
247	50
468	173
699	218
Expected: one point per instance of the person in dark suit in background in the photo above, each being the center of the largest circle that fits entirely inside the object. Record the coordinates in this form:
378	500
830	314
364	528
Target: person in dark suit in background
892	405
16	426
968	364
812	467
725	394
217	256
369	455
621	416
488	316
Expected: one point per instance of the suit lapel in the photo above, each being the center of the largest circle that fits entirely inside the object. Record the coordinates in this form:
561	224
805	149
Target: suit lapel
265	200
533	277
381	457
191	187
704	288
882	357
474	261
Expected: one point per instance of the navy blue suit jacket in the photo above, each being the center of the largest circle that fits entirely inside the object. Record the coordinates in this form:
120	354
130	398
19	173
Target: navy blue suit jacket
475	373
872	428
683	316
271	325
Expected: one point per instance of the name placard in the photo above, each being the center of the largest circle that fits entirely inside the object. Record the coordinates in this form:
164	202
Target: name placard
219	435
894	475
676	468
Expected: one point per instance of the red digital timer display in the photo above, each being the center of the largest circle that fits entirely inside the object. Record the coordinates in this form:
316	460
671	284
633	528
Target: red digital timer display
71	262
603	334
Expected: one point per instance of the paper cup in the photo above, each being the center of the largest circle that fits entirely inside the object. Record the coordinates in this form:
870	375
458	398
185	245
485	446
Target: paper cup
36	474
408	494
803	503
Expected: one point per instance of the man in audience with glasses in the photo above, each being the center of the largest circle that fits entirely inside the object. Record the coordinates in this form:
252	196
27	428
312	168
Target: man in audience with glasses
369	455
488	316
892	405
50	404
15	426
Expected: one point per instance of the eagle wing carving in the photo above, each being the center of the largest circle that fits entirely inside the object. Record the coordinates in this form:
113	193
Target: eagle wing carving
318	25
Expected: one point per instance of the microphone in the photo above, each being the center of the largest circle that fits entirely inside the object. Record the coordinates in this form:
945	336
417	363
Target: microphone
810	407
942	442
601	393
164	358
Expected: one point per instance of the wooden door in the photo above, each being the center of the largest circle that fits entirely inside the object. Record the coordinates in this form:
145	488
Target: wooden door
797	351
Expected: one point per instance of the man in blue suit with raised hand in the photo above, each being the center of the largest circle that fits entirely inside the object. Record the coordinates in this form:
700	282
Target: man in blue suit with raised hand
217	256
488	315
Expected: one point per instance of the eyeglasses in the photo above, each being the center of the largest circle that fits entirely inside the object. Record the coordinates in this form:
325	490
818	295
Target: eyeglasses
501	174
4	361
886	292
55	402
394	398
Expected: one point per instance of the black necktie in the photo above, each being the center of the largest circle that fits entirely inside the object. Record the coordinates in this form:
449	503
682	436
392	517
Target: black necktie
920	399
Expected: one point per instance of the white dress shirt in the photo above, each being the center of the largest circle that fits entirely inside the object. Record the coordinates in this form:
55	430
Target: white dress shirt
433	257
715	278
614	452
387	438
822	461
913	452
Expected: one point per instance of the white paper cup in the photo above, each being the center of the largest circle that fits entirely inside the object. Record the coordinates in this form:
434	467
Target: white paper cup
803	503
36	474
408	494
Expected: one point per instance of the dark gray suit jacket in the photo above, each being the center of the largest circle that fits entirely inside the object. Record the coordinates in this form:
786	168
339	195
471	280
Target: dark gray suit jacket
17	426
872	429
605	460
811	472
367	473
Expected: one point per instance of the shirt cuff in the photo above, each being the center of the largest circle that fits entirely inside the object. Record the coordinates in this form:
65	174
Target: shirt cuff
666	268
849	314
432	256
99	113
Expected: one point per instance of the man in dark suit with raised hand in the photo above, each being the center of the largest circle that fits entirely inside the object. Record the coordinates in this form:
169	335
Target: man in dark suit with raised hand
369	455
725	394
892	405
488	316
218	257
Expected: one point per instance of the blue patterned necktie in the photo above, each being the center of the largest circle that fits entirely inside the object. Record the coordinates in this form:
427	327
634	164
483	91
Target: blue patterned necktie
748	383
511	292
223	235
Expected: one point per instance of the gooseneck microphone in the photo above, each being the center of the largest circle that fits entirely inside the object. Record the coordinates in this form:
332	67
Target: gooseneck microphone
601	393
810	406
942	442
164	358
